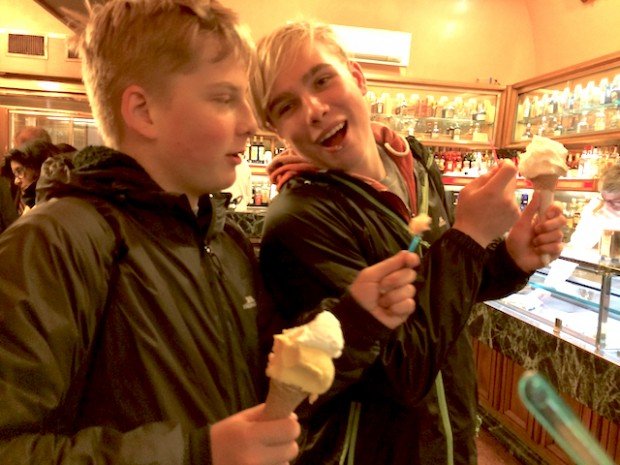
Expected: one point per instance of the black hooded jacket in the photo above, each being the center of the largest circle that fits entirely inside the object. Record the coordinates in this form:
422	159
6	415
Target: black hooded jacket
127	322
320	231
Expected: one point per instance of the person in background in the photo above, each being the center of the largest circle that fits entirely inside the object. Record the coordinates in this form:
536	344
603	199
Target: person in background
23	136
26	165
346	204
600	213
132	338
30	133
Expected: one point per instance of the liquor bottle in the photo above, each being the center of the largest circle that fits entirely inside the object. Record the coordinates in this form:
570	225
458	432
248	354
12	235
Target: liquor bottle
582	125
456	135
527	109
380	105
614	94
599	121
449	111
386	103
605	92
414	105
558	130
481	113
542	126
371	99
430	106
429	130
576	107
435	132
254	151
527	134
401	104
260	150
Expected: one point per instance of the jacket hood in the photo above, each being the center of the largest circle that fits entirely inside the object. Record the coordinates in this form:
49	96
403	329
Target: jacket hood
117	178
290	164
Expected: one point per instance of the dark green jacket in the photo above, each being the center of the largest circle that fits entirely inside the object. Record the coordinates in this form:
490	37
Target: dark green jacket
127	323
319	233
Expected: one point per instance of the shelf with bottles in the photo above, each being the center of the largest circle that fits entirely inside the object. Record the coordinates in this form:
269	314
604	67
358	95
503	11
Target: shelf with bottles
436	113
260	150
586	165
577	105
262	193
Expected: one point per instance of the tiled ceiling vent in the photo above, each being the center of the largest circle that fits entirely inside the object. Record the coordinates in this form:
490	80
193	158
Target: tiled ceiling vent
27	44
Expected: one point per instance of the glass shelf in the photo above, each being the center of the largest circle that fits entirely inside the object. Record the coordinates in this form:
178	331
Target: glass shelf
436	113
580	104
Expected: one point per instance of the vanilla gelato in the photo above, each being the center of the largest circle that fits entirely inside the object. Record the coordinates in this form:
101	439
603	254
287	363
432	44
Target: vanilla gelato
420	223
302	357
543	156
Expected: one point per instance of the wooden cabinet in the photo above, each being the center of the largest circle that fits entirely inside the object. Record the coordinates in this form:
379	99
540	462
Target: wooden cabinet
498	378
579	105
445	114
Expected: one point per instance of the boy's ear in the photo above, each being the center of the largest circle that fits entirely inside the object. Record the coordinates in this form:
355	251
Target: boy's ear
358	75
135	111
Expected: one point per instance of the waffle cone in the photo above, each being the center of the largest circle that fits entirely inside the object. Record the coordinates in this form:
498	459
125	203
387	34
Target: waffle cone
282	400
545	182
545	185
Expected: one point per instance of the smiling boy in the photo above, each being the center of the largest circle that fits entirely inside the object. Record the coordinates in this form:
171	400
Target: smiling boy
346	204
128	300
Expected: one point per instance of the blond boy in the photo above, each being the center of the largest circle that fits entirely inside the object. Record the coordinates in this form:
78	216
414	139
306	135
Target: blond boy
128	301
347	205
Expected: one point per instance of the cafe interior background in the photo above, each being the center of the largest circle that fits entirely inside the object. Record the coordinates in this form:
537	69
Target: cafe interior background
503	55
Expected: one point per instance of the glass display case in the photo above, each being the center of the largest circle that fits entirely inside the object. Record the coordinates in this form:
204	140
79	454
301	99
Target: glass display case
577	297
446	114
576	105
60	108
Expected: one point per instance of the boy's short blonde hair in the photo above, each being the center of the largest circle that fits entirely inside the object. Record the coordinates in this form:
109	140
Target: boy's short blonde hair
275	50
143	42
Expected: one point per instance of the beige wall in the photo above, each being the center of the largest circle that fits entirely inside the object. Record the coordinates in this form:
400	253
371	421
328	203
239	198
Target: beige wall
453	40
27	15
569	32
465	40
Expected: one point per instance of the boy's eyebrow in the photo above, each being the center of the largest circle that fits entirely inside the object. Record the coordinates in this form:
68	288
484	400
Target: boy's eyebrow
225	86
307	77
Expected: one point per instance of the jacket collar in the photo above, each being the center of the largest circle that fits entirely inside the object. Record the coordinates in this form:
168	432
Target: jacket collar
117	178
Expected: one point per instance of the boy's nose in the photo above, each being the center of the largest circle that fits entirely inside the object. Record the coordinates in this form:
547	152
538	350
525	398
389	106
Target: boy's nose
249	124
316	108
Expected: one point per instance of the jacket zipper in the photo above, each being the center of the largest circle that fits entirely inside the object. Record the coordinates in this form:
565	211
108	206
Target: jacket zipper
220	292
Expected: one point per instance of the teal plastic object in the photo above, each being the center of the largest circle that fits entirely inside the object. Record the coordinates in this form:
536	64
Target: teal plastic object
560	421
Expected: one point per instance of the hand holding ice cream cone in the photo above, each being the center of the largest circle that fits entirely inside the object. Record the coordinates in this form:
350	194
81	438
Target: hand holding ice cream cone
543	162
301	364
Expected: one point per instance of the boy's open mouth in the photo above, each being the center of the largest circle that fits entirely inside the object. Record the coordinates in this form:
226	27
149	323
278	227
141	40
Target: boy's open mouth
334	137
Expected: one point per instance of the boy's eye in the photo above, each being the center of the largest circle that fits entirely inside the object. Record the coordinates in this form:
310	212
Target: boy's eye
282	109
323	80
225	99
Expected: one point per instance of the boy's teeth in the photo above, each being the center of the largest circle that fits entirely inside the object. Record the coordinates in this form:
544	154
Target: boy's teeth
332	132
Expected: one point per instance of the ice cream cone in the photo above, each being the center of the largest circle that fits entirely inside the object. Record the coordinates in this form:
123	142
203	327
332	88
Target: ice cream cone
282	400
545	185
